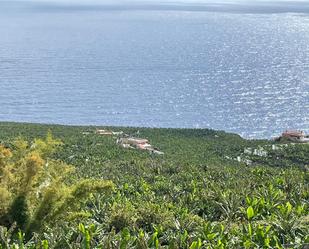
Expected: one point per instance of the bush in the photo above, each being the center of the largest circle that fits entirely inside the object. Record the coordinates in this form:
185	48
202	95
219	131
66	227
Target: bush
33	187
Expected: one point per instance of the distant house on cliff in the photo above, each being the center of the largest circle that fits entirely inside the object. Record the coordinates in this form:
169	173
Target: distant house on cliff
294	136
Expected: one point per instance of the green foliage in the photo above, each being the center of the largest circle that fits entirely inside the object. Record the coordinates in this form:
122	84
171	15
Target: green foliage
18	212
250	213
195	196
34	189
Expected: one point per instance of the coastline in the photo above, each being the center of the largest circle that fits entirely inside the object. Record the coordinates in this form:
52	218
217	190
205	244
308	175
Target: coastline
118	128
205	178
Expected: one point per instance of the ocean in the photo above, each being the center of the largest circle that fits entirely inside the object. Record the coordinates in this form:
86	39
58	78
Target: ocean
238	68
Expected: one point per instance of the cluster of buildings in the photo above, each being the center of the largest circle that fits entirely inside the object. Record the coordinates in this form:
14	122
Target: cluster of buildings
138	143
128	142
289	135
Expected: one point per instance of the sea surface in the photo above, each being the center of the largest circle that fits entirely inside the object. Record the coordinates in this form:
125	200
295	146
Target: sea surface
239	68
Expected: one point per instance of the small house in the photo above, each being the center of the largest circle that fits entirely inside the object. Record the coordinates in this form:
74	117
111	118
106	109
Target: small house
295	136
138	143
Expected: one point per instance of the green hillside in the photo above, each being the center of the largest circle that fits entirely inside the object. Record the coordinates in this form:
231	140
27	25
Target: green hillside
206	191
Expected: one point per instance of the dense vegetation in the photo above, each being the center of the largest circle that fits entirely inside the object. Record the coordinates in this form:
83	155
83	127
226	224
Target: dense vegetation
196	195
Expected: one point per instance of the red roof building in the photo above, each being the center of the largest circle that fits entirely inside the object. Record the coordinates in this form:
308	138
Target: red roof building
293	134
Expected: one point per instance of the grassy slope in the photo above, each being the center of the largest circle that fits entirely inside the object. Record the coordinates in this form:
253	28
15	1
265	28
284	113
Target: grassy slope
92	153
193	183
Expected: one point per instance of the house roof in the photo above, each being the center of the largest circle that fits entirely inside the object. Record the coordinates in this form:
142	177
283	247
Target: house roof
292	133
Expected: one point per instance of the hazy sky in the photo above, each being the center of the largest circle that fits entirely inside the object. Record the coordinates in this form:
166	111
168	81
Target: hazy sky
165	1
239	6
243	6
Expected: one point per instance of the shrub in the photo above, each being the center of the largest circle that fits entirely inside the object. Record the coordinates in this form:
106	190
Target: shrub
33	187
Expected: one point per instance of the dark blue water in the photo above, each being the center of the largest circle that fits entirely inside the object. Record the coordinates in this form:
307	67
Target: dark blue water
242	69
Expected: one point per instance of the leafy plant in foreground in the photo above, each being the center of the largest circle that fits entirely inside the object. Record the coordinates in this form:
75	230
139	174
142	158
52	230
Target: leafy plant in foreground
33	187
